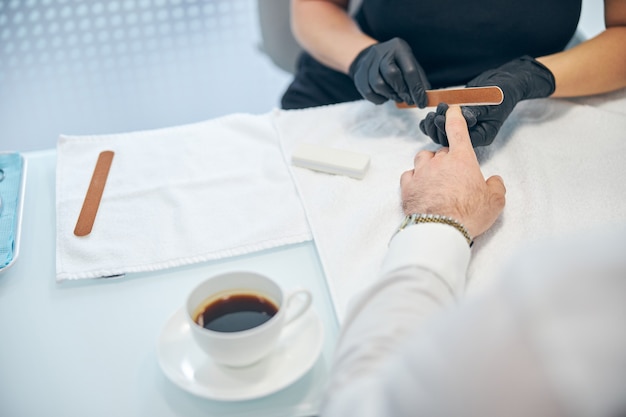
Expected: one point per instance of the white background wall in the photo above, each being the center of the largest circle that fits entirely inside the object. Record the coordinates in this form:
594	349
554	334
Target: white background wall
592	18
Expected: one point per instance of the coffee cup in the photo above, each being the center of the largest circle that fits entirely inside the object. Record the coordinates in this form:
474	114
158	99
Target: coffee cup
237	317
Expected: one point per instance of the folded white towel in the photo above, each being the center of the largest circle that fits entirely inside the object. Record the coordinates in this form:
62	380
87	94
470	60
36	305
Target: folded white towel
222	188
176	196
562	163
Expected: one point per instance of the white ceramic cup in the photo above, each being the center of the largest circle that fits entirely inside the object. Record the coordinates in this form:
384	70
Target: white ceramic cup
244	347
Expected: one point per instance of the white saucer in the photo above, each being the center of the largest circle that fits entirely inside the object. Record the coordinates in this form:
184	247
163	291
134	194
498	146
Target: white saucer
187	366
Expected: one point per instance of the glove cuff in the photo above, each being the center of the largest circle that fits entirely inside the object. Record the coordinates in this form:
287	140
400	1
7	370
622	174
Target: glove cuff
355	63
540	80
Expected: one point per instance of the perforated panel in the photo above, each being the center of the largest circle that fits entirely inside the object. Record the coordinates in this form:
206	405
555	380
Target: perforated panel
79	66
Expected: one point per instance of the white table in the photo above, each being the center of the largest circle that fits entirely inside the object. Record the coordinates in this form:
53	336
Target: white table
88	348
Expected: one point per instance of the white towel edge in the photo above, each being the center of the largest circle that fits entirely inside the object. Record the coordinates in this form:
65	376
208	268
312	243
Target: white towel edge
62	276
332	292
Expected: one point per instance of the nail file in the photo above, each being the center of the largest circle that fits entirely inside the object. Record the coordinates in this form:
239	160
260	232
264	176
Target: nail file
331	160
94	194
472	96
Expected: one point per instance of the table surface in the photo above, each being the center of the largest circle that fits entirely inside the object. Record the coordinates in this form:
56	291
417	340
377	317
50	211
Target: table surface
89	347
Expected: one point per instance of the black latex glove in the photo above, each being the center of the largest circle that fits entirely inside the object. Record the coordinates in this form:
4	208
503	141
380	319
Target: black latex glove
521	79
389	70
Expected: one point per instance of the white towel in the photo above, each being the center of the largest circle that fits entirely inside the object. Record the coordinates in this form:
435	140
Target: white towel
614	101
563	165
176	196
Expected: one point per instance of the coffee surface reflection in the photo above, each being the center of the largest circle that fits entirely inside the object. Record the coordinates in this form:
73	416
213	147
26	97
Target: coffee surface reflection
235	312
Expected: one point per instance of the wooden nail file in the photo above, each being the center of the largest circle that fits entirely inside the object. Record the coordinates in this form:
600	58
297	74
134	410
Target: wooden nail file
94	194
472	96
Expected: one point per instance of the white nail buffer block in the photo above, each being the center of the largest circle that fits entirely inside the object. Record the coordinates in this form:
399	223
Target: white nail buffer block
330	160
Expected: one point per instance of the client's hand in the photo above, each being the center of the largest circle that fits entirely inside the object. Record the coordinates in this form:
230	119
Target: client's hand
521	79
449	182
388	70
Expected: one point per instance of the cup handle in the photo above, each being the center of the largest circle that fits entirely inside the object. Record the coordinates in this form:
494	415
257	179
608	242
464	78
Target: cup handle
300	308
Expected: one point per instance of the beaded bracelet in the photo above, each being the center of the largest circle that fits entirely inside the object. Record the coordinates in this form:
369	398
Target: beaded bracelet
417	218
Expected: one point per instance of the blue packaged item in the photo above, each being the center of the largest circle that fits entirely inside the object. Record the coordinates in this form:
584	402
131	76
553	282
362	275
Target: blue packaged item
11	189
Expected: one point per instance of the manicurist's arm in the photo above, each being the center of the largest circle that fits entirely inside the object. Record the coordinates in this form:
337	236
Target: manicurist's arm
380	71
325	30
597	65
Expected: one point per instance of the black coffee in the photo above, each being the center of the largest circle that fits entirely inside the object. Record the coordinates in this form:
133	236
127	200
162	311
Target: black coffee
236	312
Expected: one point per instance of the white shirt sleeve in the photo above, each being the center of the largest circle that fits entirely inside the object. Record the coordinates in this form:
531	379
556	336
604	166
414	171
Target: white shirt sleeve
424	271
542	343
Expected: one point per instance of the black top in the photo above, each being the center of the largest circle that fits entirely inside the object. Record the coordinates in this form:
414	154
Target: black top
453	40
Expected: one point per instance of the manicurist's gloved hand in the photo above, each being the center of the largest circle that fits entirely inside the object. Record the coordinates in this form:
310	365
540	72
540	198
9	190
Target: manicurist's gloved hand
521	79
389	70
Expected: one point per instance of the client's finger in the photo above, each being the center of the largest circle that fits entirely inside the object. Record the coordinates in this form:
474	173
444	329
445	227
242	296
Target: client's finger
456	130
406	177
422	156
497	199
